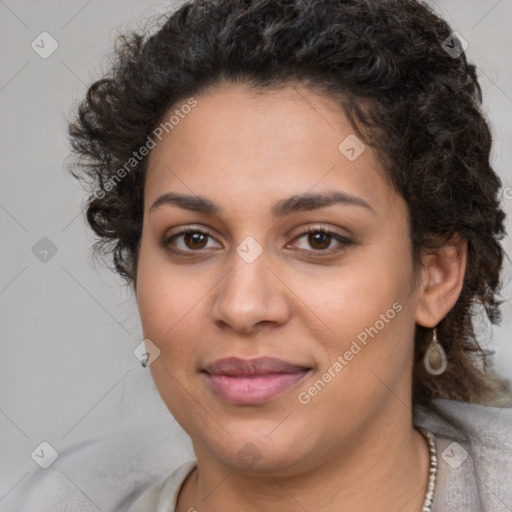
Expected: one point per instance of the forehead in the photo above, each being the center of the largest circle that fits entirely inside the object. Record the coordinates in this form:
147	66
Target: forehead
258	144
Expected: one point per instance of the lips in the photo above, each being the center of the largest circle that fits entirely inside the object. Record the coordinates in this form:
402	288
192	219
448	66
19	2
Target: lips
252	381
261	366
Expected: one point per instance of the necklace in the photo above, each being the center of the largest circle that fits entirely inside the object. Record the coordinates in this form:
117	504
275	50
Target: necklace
429	496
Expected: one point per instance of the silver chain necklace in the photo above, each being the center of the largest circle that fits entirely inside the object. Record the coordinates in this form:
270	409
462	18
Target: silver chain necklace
429	496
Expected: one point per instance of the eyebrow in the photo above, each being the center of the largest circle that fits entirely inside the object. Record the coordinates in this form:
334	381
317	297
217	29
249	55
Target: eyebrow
292	204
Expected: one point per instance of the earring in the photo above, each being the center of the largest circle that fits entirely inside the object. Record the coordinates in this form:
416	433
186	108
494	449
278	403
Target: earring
145	360
434	360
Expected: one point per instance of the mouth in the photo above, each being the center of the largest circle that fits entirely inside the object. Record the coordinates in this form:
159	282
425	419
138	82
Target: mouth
252	381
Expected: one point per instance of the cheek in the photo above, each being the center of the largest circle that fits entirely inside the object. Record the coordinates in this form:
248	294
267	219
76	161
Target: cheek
166	303
171	303
369	311
366	352
167	311
356	295
163	297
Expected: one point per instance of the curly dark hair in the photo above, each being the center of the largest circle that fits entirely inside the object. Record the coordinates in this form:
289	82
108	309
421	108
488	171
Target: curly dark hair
388	64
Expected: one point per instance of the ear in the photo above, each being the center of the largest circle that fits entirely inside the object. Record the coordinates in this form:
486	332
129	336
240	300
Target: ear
441	280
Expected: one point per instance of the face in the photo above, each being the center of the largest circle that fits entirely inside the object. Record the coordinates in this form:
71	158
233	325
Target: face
249	265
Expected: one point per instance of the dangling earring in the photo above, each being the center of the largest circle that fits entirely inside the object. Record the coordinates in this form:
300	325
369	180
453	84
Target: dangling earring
434	360
145	360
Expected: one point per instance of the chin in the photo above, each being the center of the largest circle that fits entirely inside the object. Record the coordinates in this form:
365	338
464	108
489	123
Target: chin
263	446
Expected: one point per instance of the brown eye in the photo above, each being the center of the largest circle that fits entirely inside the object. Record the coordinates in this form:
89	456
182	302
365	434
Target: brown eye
320	240
187	241
195	240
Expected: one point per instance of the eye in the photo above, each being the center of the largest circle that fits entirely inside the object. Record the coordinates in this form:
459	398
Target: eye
193	240
320	239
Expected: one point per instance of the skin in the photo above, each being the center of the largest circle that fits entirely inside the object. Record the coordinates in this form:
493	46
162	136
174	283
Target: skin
246	151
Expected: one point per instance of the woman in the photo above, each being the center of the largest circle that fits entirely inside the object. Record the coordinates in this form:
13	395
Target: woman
301	196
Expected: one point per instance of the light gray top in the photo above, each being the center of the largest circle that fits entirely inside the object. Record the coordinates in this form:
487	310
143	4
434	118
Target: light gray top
163	495
135	471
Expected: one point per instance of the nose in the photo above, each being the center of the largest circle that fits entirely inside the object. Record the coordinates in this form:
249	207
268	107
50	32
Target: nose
251	294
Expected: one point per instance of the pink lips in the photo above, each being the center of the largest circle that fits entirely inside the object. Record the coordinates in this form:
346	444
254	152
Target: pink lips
252	381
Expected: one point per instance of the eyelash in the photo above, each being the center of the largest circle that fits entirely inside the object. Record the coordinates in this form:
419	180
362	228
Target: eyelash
326	252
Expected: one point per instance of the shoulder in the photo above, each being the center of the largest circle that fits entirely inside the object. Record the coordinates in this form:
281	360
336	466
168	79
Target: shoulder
474	455
107	471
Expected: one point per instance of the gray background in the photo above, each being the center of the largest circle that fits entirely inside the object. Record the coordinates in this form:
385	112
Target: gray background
68	329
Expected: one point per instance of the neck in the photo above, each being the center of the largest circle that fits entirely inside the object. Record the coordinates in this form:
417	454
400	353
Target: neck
385	468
